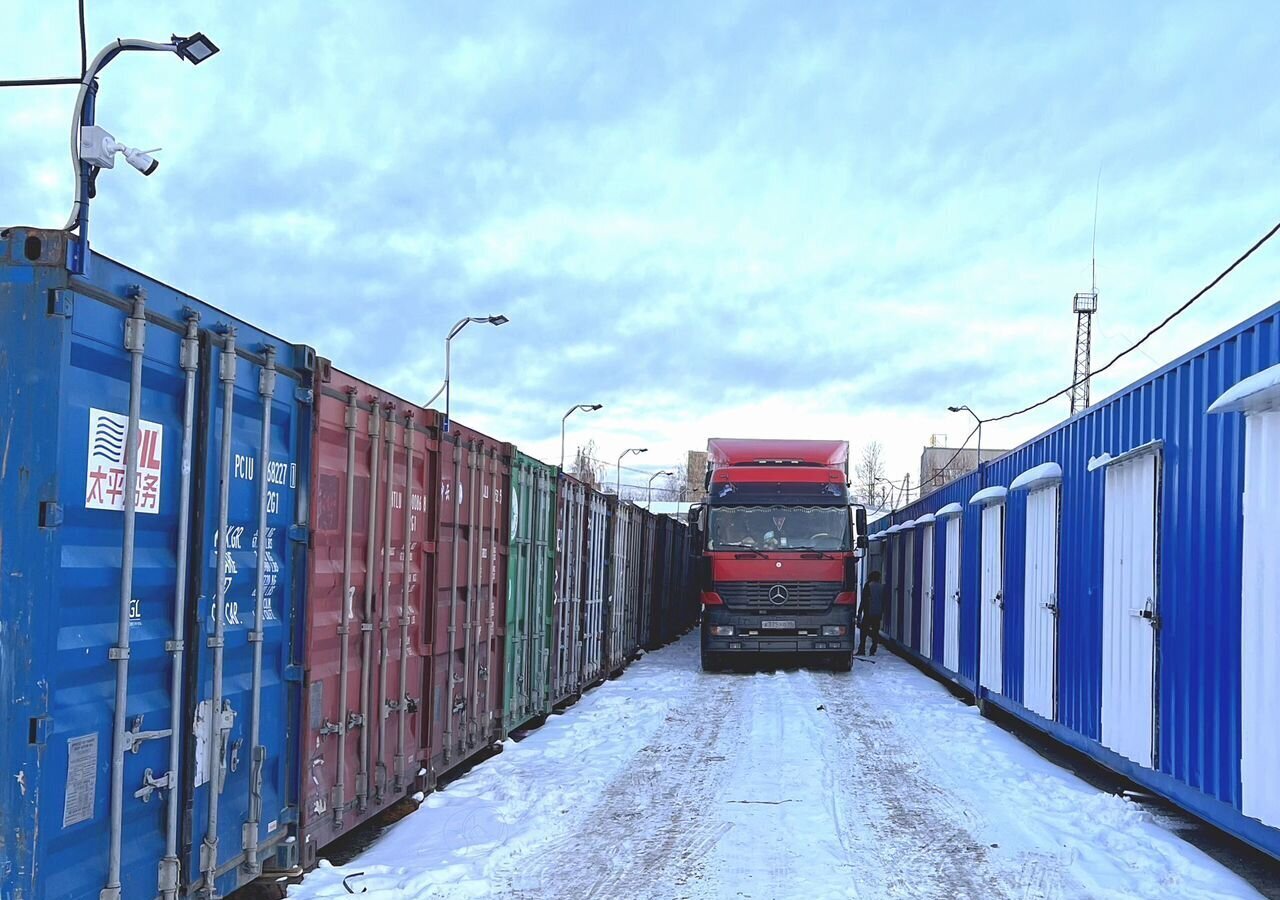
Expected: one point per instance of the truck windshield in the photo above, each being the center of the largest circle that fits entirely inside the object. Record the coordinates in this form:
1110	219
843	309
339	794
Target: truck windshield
778	528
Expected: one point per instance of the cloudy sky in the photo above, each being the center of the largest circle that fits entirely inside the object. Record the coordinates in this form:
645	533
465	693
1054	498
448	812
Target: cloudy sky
732	218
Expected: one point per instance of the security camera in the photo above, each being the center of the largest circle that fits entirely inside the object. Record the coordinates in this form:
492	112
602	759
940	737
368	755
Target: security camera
98	148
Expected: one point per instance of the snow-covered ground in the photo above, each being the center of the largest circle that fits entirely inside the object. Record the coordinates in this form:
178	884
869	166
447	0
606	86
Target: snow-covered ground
670	783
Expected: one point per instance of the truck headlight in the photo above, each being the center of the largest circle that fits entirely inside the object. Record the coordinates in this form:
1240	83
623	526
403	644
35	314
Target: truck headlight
722	631
834	630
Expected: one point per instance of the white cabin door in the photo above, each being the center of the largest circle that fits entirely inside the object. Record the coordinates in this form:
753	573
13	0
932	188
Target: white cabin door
951	603
1040	602
926	591
1260	621
908	584
992	612
1129	608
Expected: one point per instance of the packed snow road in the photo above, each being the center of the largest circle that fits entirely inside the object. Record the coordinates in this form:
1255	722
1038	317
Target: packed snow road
671	783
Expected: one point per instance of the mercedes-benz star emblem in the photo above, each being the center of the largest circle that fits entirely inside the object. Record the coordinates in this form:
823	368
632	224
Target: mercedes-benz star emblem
778	595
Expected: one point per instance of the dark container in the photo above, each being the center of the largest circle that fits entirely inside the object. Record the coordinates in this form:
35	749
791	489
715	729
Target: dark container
570	586
595	587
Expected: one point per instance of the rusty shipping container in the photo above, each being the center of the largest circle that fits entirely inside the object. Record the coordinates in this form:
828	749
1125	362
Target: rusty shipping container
367	607
469	520
617	648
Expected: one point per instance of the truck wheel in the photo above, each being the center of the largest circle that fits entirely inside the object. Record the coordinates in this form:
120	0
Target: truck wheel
712	662
842	662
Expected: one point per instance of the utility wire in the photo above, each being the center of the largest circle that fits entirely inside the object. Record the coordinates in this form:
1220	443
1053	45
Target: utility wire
1132	347
45	82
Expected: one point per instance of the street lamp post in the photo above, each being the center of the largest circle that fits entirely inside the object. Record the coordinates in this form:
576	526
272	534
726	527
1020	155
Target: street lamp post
649	502
453	332
617	488
977	419
586	407
195	50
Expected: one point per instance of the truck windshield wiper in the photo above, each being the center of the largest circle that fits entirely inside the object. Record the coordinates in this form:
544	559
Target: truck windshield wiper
746	551
816	554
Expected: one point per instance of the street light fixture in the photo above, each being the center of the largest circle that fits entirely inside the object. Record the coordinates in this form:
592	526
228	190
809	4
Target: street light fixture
453	332
649	502
195	49
585	407
977	419
617	489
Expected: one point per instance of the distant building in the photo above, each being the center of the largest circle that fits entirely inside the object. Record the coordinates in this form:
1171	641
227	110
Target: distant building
696	476
940	465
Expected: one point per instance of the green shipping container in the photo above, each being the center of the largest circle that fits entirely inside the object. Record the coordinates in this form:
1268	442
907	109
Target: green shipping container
530	579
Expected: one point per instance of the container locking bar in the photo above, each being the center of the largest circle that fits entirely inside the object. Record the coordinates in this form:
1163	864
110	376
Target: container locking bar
338	798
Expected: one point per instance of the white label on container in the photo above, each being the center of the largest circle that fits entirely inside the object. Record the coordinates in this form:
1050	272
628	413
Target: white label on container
200	728
82	779
105	468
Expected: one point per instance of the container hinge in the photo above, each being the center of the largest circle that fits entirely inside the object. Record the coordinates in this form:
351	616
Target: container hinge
174	646
135	334
484	672
460	705
214	643
135	737
189	356
411	704
293	674
255	637
168	879
59	302
50	514
117	653
330	728
304	394
366	627
151	784
299	533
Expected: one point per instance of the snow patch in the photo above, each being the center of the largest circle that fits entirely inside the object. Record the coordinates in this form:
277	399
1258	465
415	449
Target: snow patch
1037	476
926	519
1100	461
1257	393
951	509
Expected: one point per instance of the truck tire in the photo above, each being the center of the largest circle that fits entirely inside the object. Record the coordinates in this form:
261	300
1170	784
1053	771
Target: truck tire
842	662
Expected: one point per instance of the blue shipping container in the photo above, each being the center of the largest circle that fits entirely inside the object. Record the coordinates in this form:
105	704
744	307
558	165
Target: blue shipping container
1166	660
99	602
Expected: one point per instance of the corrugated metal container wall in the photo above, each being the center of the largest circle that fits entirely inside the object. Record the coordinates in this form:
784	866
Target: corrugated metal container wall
1191	694
123	376
364	618
566	654
596	558
617	650
471	478
530	568
649	578
636	569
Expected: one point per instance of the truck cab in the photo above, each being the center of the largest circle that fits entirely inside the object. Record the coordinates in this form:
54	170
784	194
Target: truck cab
778	543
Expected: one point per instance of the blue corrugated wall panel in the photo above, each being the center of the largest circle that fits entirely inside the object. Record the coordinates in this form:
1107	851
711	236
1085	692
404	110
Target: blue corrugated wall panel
62	350
1198	570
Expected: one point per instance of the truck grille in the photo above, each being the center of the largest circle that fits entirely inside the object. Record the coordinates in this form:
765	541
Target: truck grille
754	596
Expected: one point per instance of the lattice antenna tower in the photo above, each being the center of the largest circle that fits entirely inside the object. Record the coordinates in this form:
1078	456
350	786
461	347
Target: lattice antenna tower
1085	304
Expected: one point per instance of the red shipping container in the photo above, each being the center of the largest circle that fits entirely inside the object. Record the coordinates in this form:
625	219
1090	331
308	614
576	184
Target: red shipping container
470	522
365	621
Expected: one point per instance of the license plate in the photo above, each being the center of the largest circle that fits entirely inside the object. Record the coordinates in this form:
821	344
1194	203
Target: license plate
778	623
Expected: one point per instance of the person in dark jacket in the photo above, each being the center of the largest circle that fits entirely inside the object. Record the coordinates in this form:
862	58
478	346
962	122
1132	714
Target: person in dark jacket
875	597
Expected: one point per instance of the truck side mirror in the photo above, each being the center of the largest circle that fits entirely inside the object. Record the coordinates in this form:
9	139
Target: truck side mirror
860	528
694	511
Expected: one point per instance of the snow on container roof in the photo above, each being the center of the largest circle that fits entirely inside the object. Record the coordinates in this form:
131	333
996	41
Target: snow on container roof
951	509
746	452
910	523
1104	459
894	529
1257	393
987	496
1037	476
926	519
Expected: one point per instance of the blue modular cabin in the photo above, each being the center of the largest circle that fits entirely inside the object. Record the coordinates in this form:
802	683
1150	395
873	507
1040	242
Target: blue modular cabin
1120	581
149	639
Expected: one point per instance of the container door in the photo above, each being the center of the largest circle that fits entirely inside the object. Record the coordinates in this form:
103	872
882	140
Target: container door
926	591
1040	621
951	603
1260	621
992	613
518	650
908	586
1129	608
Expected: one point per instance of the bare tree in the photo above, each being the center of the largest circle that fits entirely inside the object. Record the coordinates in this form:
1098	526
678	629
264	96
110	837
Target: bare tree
870	485
673	487
586	467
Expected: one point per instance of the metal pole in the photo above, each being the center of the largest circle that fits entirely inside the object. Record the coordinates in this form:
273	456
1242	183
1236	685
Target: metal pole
366	621
190	358
446	379
220	719
258	753
339	799
134	343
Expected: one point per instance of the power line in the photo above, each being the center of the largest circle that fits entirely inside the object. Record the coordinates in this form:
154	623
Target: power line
1131	348
46	82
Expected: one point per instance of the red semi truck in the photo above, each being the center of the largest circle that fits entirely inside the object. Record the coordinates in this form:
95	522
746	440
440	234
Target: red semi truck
778	542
